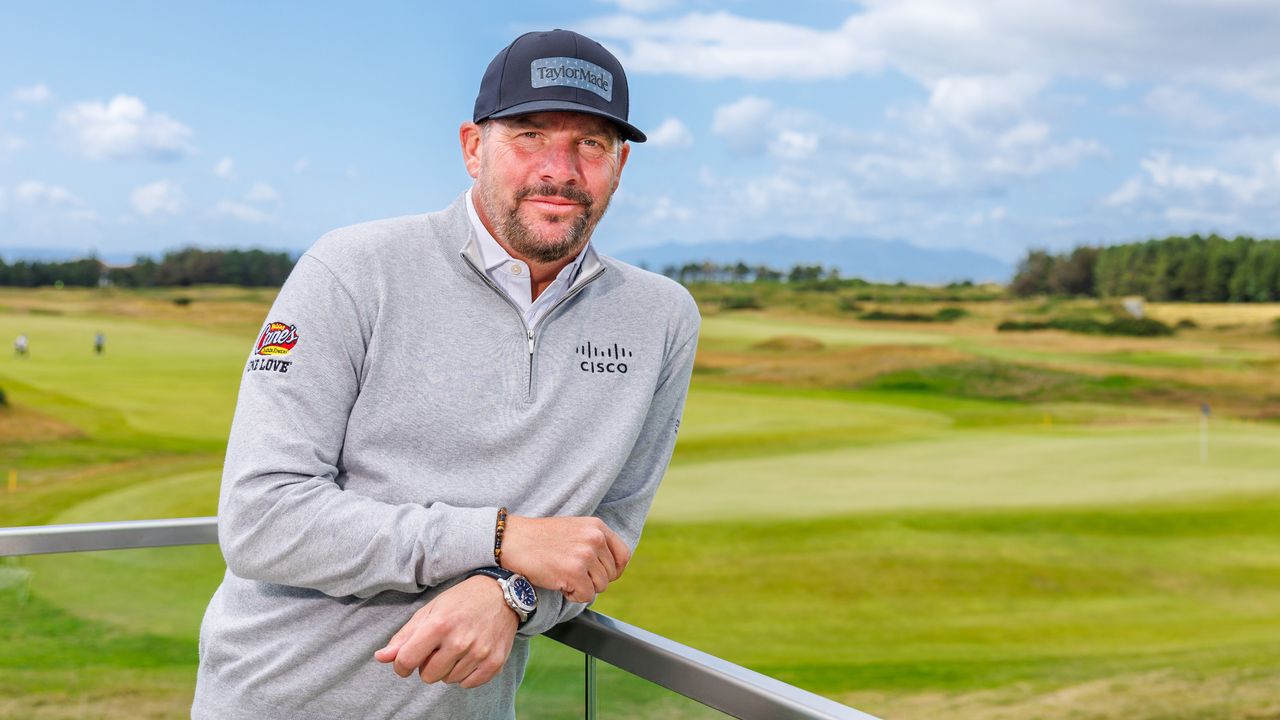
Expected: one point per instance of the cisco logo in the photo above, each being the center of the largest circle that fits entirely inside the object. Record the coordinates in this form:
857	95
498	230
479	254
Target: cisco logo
603	360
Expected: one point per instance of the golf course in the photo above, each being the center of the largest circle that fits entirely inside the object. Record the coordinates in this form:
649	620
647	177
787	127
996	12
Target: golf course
918	519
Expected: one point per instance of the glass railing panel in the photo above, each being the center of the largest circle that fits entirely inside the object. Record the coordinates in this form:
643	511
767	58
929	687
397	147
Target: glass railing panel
103	634
623	696
553	687
113	634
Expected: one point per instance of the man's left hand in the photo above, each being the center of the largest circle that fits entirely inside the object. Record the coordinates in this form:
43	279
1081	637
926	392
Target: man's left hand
462	636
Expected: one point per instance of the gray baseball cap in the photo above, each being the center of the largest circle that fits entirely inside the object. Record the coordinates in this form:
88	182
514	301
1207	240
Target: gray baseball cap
556	70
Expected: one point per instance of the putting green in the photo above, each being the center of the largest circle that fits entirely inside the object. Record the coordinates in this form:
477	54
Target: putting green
742	330
165	380
979	469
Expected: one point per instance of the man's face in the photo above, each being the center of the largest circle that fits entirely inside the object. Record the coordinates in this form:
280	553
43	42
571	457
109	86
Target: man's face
543	180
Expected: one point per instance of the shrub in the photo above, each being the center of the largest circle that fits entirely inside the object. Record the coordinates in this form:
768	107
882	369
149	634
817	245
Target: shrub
1186	324
4	401
848	304
1132	327
182	301
741	302
1136	327
949	314
896	317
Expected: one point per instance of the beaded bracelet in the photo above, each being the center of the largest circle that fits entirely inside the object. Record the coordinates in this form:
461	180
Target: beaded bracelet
497	536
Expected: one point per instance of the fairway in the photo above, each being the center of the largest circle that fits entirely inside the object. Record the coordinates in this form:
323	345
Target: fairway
980	527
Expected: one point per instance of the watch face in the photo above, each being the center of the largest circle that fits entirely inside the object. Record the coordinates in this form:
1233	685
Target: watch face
524	593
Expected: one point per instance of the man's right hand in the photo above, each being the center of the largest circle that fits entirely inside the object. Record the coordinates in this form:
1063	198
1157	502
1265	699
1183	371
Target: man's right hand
579	556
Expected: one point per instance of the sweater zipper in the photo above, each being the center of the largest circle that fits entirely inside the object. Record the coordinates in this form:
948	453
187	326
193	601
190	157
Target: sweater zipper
528	333
519	315
533	340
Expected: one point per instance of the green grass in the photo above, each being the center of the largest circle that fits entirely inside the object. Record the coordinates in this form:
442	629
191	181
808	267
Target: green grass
1013	535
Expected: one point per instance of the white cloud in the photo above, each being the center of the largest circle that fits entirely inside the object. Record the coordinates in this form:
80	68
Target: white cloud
300	166
1181	106
10	144
794	145
671	133
745	122
1128	193
241	211
722	45
973	102
262	193
163	197
664	210
37	94
994	215
1235	190
124	129
4	200
642	6
1114	41
225	169
36	193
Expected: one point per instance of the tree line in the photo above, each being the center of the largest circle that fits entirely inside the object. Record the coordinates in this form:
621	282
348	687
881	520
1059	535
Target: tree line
709	271
1188	269
190	266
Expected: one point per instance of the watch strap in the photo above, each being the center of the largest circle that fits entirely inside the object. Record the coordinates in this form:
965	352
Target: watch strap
502	575
497	573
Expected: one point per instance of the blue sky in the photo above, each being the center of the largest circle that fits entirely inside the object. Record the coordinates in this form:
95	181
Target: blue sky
988	125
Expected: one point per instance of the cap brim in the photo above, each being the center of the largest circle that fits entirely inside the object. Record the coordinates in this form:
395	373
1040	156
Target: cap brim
629	131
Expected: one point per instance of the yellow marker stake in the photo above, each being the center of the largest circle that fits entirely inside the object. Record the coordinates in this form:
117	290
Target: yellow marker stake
13	480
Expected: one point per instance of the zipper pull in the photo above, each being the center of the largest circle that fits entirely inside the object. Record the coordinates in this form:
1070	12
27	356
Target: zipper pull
530	342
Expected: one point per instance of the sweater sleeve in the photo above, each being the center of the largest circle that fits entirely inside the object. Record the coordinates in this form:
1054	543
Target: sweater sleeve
283	516
626	504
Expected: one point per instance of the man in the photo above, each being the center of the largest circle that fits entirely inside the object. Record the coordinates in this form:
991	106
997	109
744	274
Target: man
437	402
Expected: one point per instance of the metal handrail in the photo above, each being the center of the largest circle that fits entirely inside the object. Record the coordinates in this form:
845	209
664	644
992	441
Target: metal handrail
714	682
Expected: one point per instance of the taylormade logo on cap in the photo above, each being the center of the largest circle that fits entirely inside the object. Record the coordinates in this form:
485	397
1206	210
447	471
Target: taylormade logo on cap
556	71
572	72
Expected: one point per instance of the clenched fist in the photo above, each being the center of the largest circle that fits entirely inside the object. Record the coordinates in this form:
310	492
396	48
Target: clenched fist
579	556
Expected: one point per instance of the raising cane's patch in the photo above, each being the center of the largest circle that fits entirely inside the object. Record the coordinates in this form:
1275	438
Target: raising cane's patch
277	338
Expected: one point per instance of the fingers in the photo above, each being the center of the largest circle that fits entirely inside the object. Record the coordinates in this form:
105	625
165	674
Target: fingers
483	673
415	651
600	576
618	551
465	666
444	660
463	636
389	652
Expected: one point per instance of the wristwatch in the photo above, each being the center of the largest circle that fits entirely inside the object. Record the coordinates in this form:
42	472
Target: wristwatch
516	590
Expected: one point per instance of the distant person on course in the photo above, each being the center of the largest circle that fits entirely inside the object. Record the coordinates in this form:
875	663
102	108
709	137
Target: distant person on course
451	426
99	343
20	346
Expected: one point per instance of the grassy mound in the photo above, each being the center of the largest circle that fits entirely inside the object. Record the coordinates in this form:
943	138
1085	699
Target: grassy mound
789	343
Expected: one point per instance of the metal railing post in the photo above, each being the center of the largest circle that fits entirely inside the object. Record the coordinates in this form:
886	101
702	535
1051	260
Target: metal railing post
589	684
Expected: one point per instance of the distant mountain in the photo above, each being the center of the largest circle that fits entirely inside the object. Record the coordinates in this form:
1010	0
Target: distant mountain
866	258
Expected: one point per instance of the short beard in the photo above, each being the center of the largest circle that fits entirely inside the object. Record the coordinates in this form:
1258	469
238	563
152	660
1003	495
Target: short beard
525	243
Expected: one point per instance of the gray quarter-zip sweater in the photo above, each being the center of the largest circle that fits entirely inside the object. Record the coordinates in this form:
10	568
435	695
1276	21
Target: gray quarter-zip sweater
393	401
